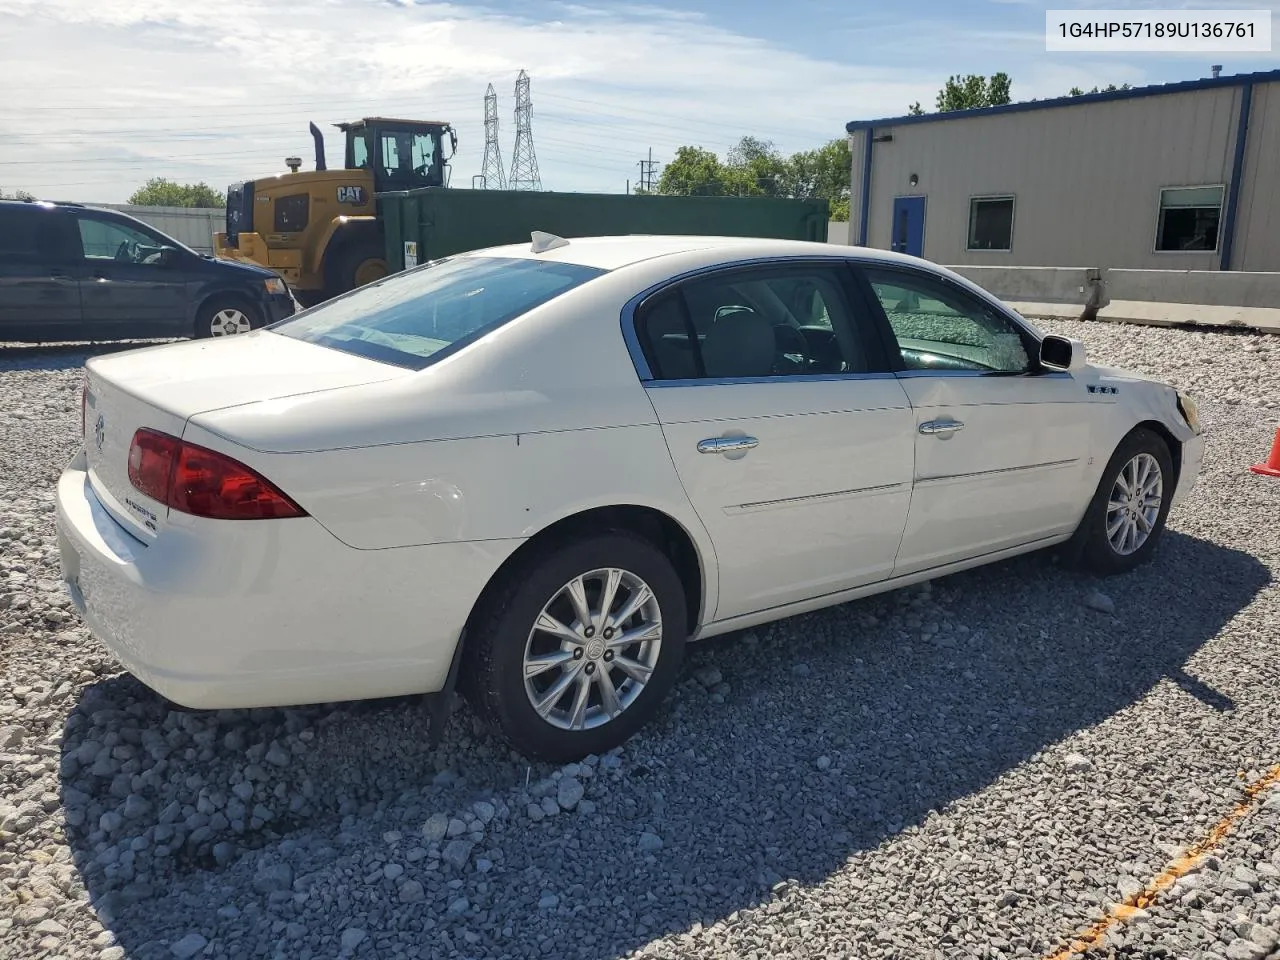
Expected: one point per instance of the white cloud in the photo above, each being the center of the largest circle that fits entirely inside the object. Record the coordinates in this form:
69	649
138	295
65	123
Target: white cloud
104	93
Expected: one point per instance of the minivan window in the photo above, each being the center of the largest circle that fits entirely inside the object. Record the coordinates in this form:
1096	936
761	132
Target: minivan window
32	234
17	238
412	319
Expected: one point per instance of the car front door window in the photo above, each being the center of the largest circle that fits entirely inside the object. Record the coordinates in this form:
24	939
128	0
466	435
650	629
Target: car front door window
105	240
937	327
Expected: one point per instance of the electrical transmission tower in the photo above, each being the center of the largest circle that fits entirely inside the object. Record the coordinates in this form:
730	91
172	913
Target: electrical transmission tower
646	174
524	163
491	173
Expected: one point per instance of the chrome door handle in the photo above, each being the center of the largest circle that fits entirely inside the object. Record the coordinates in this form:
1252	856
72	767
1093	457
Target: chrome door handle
727	444
942	427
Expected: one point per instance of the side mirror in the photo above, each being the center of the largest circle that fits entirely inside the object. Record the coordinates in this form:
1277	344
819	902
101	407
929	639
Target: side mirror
1062	353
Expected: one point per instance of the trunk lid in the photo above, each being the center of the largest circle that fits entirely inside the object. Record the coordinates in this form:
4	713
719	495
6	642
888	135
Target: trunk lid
162	387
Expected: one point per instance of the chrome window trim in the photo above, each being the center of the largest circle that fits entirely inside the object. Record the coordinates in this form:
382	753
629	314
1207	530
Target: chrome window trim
1037	374
645	373
780	378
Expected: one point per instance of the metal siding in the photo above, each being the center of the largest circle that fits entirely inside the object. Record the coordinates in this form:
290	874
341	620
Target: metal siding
1258	220
1085	179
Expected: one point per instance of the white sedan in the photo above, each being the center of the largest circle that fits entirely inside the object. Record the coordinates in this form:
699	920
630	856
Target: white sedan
544	468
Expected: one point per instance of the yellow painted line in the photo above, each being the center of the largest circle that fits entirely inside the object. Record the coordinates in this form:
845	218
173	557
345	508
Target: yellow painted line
1093	935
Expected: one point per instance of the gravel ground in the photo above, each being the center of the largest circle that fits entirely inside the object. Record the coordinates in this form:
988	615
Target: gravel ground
977	768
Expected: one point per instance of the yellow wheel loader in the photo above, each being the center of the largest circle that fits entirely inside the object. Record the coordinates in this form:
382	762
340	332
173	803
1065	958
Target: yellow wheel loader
319	229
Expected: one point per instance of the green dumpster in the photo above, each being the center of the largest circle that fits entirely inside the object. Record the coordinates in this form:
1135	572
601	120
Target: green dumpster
436	222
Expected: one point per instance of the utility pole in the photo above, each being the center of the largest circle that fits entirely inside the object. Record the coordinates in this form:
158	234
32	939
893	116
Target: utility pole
646	174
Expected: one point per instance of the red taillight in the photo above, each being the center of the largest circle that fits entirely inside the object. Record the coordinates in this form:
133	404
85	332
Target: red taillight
203	482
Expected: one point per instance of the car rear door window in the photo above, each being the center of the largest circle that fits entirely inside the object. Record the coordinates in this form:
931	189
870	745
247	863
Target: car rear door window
34	235
756	321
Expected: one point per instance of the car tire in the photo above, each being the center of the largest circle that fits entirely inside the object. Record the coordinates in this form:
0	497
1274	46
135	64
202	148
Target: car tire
226	316
503	643
1119	532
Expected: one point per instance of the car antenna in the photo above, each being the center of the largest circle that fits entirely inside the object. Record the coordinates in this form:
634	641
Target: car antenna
543	242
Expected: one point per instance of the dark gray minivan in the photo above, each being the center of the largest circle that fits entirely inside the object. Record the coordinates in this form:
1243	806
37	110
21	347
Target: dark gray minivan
70	272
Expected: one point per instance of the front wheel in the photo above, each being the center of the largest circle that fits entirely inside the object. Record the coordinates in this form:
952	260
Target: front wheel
1127	515
578	647
226	318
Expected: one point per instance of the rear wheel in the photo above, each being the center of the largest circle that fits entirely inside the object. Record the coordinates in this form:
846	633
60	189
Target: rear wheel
576	649
1126	517
355	265
226	317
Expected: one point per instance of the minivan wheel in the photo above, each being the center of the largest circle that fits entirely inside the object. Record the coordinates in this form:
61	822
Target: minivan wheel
1126	517
578	647
226	318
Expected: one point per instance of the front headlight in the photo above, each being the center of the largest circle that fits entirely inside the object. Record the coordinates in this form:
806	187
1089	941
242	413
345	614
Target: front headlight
276	287
1190	411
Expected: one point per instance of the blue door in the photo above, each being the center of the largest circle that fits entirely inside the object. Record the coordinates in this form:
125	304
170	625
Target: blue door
908	226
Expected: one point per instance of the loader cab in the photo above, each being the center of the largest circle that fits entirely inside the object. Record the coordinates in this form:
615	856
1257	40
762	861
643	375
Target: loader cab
400	154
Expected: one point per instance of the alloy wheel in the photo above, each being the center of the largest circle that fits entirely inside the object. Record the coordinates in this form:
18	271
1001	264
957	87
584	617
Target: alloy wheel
1134	505
229	322
592	649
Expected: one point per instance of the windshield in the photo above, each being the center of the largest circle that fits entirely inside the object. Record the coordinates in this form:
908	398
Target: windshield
412	319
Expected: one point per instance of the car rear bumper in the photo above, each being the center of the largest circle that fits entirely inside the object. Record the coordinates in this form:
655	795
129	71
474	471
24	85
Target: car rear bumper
222	614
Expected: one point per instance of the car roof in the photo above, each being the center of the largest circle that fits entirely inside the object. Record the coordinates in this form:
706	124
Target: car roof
615	252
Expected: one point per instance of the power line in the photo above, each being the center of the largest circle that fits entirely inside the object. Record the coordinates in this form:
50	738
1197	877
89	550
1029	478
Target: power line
524	162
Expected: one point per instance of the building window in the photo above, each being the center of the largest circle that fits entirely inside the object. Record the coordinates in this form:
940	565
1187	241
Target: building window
991	223
1189	218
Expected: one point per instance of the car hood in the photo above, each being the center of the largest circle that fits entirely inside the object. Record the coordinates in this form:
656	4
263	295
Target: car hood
246	271
198	376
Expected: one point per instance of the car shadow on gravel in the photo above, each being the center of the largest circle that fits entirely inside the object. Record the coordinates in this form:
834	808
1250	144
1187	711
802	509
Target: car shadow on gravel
785	751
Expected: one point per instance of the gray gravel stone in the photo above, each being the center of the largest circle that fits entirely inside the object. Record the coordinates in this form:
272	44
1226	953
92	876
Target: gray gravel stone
569	793
352	937
947	712
188	946
436	827
457	853
650	843
1097	600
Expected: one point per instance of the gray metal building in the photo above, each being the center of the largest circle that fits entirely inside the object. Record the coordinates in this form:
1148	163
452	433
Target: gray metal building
1182	176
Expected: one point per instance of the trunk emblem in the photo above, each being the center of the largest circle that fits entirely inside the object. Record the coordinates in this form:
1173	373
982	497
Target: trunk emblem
100	431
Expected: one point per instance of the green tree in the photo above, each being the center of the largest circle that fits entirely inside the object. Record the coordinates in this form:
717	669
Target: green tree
17	195
160	192
696	172
761	166
754	167
974	90
823	173
969	92
1109	88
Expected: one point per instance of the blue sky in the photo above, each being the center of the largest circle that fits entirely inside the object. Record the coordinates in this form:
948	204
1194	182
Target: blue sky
101	94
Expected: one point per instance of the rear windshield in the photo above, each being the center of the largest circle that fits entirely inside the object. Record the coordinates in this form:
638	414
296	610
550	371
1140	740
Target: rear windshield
414	318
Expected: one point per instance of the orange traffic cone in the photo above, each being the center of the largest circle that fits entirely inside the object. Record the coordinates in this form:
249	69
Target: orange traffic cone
1272	467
